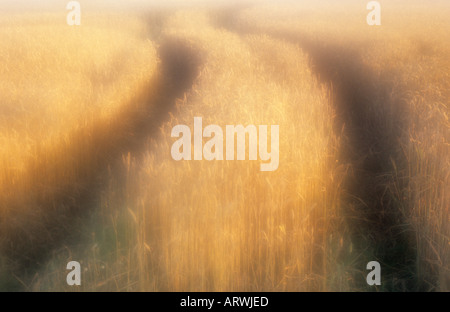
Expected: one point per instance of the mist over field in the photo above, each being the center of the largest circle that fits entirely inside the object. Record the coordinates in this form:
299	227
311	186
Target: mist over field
87	145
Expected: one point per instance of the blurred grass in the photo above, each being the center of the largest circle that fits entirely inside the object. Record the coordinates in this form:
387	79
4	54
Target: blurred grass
161	225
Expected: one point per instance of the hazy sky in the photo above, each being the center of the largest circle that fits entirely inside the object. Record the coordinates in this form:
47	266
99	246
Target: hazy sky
26	5
60	5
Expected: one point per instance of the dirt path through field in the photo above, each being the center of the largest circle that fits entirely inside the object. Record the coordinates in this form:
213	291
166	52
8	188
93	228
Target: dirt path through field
370	120
372	123
43	222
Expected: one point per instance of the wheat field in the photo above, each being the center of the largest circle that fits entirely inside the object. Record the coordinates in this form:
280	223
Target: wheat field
86	170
